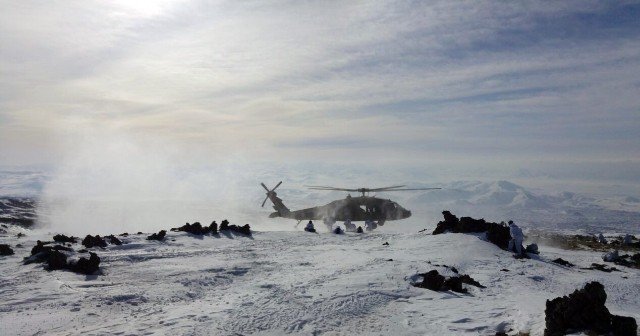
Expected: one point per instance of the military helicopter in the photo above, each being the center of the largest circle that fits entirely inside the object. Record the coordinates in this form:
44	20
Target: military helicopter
369	209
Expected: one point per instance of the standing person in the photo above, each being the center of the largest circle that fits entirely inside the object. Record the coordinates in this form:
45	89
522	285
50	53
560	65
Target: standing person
515	244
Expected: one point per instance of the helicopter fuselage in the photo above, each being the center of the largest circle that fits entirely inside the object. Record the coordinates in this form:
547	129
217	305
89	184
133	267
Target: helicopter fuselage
355	209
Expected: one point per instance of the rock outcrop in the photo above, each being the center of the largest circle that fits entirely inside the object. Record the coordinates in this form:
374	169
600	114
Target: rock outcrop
5	250
60	238
584	311
91	241
157	236
496	233
436	282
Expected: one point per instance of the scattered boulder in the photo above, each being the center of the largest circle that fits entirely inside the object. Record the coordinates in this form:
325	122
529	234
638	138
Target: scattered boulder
498	234
56	260
385	243
213	227
532	248
113	240
86	266
436	282
60	238
5	250
623	325
562	262
158	236
91	241
601	267
225	226
584	310
125	234
195	228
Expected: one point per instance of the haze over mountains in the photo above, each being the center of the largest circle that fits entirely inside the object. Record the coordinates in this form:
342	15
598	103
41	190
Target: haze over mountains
494	200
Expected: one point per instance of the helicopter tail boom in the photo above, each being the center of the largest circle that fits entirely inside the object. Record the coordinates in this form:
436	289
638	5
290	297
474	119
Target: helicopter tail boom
278	206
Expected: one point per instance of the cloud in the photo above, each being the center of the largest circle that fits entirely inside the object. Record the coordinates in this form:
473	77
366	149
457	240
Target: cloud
413	80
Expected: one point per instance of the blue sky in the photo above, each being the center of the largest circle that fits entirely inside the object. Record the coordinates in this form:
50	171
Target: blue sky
408	82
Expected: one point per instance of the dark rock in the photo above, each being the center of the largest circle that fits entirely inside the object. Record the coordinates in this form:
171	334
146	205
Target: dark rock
39	248
56	260
5	250
157	236
386	244
124	234
60	238
453	269
431	280
434	281
20	235
359	230
224	225
245	229
213	227
601	267
583	310
623	326
86	266
562	262
504	270
92	241
532	248
498	234
139	232
195	228
454	284
113	240
470	281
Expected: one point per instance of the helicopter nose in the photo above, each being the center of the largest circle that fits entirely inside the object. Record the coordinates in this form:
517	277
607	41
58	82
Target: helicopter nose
406	214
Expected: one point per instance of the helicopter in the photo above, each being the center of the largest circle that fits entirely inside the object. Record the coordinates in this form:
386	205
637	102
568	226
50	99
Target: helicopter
369	209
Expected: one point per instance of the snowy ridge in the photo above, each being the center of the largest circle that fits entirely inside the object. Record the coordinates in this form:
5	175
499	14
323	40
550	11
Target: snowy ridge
299	283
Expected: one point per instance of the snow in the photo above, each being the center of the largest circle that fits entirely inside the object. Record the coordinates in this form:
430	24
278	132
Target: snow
296	282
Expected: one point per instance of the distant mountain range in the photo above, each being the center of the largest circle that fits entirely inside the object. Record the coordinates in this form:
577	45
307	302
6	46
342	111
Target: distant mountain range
561	211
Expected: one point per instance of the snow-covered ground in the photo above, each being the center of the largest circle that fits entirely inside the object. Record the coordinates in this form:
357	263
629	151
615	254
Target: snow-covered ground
295	282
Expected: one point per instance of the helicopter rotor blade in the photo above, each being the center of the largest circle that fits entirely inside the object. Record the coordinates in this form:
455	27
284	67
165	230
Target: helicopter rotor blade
414	189
265	201
265	187
277	185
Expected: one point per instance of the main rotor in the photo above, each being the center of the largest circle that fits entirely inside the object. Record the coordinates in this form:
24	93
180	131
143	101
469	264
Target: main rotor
364	191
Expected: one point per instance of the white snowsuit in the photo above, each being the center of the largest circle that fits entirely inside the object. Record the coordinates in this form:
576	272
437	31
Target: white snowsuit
515	244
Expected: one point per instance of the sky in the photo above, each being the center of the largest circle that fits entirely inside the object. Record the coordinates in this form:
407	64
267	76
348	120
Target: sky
529	85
